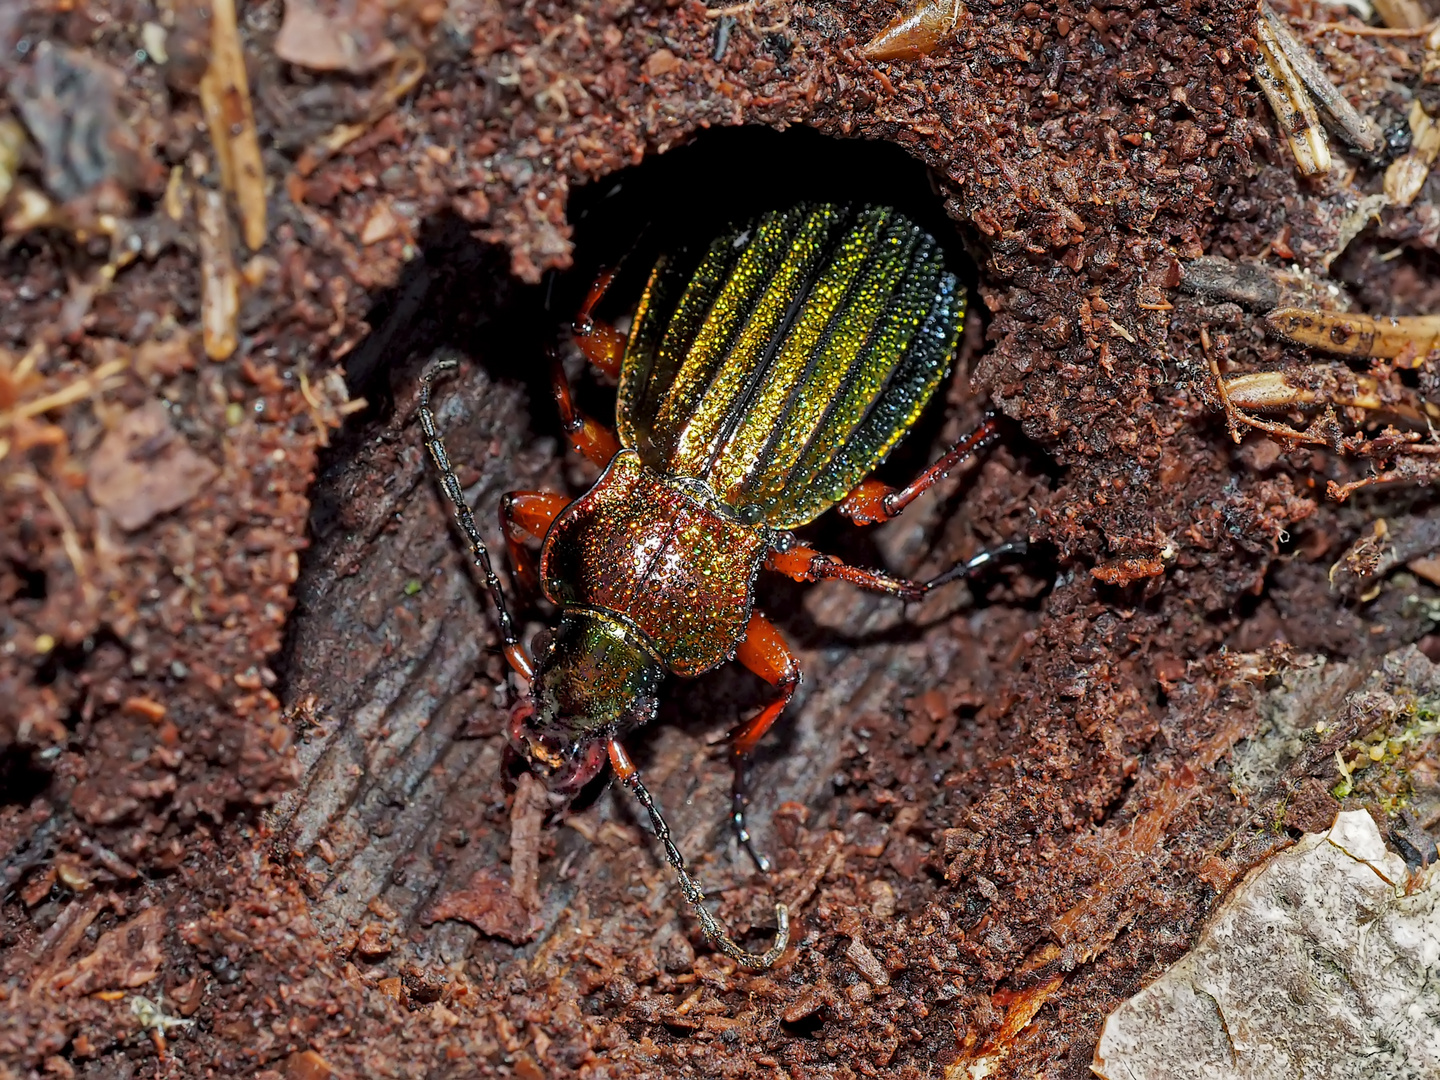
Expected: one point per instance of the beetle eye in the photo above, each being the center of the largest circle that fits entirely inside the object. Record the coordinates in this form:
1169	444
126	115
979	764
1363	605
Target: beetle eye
542	643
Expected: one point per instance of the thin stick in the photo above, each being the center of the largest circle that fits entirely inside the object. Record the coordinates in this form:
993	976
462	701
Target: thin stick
1374	31
451	485
714	929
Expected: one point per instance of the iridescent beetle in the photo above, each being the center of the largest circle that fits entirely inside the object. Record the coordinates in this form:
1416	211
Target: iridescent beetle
754	393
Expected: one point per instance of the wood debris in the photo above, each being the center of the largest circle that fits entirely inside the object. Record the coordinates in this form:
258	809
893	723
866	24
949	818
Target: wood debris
1260	287
219	279
1327	384
1342	118
12	147
1401	14
1291	103
404	75
1354	334
21	375
225	96
1227	1008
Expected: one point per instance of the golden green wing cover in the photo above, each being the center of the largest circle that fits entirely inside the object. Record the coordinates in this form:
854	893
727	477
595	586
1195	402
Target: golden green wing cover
785	367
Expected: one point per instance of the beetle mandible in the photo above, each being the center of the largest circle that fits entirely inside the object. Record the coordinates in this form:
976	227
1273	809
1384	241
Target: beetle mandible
755	392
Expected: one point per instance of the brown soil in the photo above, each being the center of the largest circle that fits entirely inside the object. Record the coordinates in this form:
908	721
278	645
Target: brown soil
250	740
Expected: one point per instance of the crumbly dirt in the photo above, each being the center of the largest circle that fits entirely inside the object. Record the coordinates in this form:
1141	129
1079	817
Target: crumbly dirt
256	817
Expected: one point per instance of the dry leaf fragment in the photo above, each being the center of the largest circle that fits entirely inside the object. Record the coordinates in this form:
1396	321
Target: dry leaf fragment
350	39
308	1065
1291	103
489	904
127	956
144	468
917	31
381	225
661	62
68	101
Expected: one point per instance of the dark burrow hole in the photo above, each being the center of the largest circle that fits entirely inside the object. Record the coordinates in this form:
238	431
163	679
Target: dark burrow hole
23	778
33	583
460	294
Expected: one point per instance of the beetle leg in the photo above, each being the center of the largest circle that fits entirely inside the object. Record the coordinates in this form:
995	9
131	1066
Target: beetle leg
874	502
807	564
514	651
589	437
765	653
714	930
602	344
525	514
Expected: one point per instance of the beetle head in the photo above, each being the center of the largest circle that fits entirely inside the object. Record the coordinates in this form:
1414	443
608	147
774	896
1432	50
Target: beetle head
593	681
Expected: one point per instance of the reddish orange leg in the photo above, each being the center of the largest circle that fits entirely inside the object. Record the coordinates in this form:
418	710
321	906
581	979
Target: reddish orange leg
589	437
765	653
873	501
807	564
601	343
525	514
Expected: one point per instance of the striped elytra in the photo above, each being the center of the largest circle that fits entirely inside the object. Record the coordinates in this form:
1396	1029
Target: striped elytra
785	367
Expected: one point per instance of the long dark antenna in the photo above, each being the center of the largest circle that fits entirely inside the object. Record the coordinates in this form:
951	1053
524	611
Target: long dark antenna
985	558
714	929
451	484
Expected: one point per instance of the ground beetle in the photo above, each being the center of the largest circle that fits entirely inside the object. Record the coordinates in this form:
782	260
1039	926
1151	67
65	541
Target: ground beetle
755	392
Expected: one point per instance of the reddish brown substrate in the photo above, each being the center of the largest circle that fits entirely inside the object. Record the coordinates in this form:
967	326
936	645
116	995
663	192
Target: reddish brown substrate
976	806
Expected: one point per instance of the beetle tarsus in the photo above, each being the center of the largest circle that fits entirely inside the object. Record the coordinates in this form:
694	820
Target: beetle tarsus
764	652
714	929
979	562
739	800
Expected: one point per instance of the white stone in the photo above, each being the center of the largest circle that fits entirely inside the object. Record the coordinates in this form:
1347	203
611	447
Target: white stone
1318	965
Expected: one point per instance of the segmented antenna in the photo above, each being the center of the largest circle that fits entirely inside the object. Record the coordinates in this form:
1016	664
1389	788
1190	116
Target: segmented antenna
713	928
451	484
